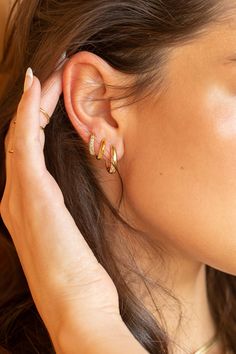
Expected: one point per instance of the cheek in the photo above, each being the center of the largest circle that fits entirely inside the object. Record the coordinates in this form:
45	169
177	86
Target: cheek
180	181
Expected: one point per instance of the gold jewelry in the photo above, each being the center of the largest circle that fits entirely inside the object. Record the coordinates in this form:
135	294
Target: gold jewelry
91	144
204	349
101	149
112	167
113	161
46	115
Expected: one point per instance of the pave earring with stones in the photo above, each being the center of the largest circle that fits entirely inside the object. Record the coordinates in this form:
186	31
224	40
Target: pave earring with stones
91	144
113	154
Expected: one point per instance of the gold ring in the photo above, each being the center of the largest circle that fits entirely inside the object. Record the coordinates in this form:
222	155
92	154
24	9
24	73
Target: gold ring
46	115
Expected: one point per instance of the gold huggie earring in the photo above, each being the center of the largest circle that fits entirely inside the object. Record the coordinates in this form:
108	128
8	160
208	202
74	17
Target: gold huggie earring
91	144
113	161
101	149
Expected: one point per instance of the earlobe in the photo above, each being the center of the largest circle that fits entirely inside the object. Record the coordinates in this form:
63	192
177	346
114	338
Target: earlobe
87	101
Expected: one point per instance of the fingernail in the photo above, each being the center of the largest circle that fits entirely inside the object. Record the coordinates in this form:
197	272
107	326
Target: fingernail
28	79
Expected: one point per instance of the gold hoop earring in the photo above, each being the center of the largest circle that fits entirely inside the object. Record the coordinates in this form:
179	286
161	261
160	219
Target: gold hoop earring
113	161
101	149
91	144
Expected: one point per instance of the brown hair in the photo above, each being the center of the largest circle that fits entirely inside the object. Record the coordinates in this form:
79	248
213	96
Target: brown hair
134	37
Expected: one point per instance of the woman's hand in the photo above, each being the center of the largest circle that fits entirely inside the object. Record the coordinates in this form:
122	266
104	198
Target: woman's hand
74	295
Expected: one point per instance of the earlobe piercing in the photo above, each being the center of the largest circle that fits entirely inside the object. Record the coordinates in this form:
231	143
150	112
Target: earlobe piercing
91	144
101	149
112	167
113	161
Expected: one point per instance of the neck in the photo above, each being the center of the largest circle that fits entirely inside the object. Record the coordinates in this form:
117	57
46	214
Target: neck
186	281
182	276
196	326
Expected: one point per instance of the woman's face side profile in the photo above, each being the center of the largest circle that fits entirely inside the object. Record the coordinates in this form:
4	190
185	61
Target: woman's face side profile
178	163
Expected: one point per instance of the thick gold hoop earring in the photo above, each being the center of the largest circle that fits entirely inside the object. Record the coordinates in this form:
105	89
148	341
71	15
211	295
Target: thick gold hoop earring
113	161
101	149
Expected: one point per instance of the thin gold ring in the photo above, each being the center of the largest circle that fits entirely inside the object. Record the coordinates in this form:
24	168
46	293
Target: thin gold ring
208	345
46	115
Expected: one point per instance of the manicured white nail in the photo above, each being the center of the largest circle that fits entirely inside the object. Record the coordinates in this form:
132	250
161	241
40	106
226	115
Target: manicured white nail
28	79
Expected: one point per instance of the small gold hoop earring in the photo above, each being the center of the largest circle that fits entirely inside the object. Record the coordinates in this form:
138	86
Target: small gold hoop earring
91	144
113	161
101	149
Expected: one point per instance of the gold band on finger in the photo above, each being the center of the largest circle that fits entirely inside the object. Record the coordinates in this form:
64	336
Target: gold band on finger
46	115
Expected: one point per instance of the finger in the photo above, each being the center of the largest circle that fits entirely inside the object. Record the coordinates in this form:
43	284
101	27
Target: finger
51	92
27	144
8	145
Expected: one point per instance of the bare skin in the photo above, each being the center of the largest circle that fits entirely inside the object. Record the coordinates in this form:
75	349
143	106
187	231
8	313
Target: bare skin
67	283
177	160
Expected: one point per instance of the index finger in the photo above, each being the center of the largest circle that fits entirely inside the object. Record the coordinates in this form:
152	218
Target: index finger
26	142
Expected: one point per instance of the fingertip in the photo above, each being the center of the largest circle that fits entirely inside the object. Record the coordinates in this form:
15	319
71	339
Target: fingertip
31	93
29	78
30	81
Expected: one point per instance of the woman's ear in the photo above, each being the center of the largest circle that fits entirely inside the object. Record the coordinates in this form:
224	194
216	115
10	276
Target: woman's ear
87	100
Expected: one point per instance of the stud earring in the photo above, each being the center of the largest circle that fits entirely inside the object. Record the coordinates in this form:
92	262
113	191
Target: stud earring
113	161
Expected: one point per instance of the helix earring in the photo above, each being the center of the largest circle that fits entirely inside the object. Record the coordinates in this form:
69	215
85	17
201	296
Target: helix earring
113	161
